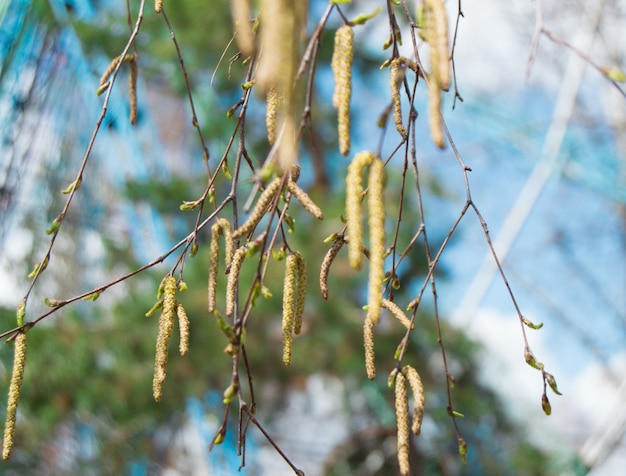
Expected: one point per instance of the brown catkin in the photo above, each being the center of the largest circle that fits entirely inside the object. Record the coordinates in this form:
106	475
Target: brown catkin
368	340
326	263
434	113
354	189
301	282
166	324
233	277
132	90
341	64
402	419
259	209
436	26
417	388
15	389
289	297
305	200
376	185
183	327
396	77
270	114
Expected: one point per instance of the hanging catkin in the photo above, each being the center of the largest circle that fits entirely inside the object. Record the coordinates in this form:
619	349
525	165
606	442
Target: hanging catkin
402	420
341	65
166	324
354	214
259	209
376	184
436	26
233	277
289	298
220	228
15	389
326	263
434	113
396	77
415	382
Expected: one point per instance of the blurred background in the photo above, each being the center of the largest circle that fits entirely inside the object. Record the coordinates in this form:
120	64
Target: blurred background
547	149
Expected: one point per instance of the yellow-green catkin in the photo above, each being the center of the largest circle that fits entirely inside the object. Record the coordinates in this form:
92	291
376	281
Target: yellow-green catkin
402	419
112	65
436	27
305	200
244	35
15	389
354	190
271	112
158	6
396	77
395	310
279	22
233	277
301	282
214	256
220	228
289	305
166	324
368	340
415	382
259	209
132	90
341	64
183	327
376	185
326	263
434	114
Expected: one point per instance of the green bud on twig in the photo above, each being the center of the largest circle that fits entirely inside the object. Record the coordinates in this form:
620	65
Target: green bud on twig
463	449
552	382
363	17
529	323
54	226
39	268
52	302
614	74
71	187
186	206
530	360
20	312
92	296
545	405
